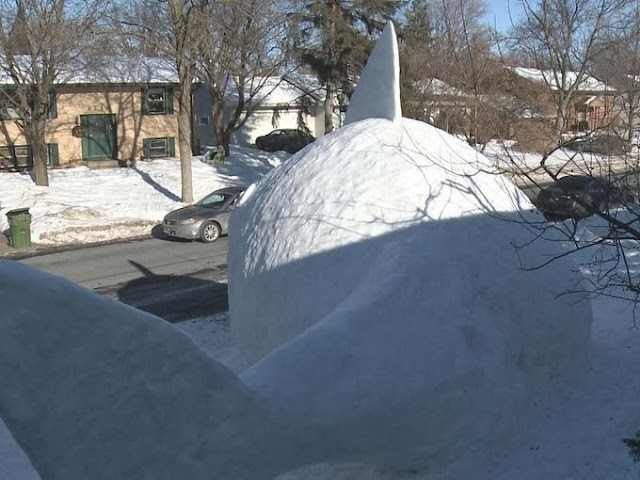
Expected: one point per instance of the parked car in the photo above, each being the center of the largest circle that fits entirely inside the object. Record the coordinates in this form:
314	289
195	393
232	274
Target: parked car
287	139
206	220
600	144
577	196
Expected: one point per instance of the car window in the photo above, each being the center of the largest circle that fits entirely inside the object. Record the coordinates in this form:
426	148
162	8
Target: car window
213	200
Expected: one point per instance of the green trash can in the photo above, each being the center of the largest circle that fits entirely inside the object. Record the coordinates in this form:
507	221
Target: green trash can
20	226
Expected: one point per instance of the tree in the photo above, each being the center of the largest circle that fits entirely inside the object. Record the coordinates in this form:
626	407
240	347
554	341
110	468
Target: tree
449	66
560	38
617	61
41	43
334	37
245	45
171	29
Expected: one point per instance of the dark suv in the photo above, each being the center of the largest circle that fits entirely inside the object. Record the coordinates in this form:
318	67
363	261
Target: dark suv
287	139
579	196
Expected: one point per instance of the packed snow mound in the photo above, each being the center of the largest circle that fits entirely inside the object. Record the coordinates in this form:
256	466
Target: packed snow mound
92	388
373	280
361	182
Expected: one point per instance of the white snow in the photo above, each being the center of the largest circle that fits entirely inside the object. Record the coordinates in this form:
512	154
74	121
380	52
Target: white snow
588	83
378	92
84	205
375	272
389	326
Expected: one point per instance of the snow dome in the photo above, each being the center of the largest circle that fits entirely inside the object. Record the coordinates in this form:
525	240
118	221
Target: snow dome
376	284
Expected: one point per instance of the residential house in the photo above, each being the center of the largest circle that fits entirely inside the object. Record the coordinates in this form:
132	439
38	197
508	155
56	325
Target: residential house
593	105
119	111
280	102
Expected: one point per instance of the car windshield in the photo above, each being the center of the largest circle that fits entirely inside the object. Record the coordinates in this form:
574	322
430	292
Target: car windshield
214	200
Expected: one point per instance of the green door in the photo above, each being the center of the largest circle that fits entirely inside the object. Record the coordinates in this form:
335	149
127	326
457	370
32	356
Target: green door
98	137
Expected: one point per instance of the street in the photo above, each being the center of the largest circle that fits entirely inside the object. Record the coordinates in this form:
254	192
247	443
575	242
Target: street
176	280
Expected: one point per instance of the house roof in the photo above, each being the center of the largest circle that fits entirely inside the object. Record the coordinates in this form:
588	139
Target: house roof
105	70
283	91
435	86
272	91
588	83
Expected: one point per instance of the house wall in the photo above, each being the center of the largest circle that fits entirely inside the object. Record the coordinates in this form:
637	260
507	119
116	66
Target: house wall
599	113
124	102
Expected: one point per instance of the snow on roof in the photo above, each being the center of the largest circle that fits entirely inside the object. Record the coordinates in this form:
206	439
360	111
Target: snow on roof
107	70
588	83
281	91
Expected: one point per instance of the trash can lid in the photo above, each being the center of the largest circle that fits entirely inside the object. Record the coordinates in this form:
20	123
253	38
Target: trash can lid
18	211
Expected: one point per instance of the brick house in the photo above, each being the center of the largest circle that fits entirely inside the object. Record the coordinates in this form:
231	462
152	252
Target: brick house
593	104
120	112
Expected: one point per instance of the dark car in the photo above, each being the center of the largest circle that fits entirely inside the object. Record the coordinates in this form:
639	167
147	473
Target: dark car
206	219
287	139
578	196
600	144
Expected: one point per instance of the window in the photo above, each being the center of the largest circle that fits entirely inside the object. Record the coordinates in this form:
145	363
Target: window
203	120
8	104
157	101
159	147
16	157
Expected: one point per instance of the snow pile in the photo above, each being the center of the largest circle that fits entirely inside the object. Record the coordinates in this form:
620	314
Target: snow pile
92	388
373	279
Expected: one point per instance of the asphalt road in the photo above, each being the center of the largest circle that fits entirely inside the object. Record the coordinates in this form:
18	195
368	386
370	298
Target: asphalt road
175	280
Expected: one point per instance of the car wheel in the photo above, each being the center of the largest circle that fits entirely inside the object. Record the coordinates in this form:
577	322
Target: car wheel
210	232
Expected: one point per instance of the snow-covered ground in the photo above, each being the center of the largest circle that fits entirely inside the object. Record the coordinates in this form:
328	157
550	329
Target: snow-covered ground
574	427
518	165
84	205
383	328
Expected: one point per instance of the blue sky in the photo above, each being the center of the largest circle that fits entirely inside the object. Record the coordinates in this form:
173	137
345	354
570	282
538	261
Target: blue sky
498	13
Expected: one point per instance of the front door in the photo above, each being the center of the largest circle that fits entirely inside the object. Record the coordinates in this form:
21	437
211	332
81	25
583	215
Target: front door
98	137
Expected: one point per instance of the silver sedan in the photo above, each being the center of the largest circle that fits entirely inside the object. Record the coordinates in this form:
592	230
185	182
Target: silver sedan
206	220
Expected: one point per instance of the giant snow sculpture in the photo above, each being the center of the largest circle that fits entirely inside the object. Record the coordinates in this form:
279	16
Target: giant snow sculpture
373	282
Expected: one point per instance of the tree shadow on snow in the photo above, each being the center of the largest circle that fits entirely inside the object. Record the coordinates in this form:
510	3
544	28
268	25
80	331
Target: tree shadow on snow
174	298
147	178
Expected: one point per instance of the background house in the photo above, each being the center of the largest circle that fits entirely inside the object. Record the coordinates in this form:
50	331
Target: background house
119	110
280	103
592	106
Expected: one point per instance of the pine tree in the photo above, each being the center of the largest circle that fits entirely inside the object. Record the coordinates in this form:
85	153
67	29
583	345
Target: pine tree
334	38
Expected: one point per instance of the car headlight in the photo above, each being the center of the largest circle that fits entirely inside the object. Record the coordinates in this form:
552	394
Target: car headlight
187	221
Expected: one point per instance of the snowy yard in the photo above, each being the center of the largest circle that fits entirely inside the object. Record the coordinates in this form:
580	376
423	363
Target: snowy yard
84	205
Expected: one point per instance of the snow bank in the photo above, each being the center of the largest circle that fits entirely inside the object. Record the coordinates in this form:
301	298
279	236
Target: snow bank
92	388
374	282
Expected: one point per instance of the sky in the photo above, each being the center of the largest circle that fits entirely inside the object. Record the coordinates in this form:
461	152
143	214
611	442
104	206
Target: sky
503	13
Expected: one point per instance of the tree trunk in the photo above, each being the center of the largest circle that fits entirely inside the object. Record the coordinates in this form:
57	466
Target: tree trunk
217	120
35	134
328	108
184	136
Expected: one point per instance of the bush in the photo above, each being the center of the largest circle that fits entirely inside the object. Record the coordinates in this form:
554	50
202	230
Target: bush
535	136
